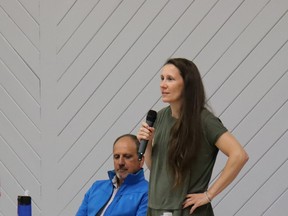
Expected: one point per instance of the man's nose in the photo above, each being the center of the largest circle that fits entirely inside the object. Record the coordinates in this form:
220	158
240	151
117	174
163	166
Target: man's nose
121	160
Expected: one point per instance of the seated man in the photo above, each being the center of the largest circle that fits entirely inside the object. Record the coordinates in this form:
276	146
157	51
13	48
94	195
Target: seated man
126	191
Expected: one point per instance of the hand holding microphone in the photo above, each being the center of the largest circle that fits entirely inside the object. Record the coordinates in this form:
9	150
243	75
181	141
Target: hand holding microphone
150	119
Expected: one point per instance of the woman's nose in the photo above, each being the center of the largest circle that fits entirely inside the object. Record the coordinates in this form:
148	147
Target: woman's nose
163	84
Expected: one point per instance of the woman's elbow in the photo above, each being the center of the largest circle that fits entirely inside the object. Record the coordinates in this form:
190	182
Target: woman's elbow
243	157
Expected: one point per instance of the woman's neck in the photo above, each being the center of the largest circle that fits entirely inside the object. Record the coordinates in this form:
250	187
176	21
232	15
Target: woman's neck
175	110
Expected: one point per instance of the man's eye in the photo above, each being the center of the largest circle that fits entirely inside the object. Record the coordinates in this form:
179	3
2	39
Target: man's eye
116	156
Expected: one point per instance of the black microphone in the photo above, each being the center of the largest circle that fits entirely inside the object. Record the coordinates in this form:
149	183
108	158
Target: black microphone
150	119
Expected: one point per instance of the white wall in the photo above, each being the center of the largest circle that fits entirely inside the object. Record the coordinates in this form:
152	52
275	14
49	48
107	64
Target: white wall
74	75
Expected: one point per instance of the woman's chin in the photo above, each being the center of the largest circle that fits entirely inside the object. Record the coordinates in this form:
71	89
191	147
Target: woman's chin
164	100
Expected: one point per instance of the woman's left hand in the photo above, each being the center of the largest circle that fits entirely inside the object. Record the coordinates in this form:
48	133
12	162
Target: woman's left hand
195	200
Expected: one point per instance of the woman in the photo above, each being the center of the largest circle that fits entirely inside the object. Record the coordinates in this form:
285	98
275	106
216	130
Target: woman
186	138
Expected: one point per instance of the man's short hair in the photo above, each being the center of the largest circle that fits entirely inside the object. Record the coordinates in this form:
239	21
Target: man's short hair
132	137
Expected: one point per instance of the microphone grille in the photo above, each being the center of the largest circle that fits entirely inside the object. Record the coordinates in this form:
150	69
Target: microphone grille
151	116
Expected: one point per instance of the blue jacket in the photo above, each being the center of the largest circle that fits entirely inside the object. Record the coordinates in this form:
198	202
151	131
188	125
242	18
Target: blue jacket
130	200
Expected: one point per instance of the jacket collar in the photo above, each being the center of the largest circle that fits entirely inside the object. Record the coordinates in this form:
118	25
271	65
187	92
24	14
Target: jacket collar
131	178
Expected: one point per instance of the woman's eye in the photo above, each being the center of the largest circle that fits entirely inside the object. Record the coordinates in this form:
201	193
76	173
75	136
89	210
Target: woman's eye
170	78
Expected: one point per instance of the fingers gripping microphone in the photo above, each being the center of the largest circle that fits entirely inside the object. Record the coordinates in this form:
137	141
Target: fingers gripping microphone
150	119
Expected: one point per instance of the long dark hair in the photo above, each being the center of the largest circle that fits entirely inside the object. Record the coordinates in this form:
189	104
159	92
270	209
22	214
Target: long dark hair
186	134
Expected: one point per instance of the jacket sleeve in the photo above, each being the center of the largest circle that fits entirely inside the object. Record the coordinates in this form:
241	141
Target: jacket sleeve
142	209
82	211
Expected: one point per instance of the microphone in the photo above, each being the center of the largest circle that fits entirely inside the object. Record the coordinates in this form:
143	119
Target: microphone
150	119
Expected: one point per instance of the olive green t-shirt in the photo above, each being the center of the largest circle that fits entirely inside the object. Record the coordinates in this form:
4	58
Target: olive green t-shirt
161	194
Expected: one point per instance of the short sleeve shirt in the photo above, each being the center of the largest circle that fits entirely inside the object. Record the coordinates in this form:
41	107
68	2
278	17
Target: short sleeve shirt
161	194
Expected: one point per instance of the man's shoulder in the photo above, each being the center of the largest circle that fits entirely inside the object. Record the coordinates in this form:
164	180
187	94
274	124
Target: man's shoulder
100	183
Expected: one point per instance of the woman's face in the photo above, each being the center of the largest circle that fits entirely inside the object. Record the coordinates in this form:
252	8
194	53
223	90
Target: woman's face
171	85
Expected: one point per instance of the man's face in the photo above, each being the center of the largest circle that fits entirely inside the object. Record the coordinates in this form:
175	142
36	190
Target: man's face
125	158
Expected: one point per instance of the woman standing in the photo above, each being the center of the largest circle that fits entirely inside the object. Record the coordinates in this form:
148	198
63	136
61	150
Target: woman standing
186	138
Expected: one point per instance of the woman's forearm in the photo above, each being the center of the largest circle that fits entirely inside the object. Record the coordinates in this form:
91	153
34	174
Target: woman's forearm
232	168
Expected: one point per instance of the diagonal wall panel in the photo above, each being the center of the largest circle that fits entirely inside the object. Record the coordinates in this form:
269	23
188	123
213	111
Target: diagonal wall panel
20	111
265	194
231	29
32	8
85	37
17	68
19	41
23	20
256	177
76	74
251	66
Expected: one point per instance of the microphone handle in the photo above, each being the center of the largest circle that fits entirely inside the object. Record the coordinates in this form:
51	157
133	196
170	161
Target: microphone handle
143	143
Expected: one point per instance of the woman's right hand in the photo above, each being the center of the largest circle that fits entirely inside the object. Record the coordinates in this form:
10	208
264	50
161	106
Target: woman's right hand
145	132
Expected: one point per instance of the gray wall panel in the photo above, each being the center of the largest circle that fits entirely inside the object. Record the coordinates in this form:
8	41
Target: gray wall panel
254	177
279	206
76	74
264	197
